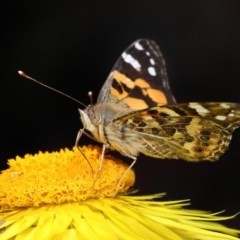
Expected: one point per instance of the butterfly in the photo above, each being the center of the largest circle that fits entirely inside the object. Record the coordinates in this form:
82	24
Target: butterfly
136	113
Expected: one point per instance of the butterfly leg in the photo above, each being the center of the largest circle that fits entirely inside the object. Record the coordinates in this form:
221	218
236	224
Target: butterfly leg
125	173
104	147
101	159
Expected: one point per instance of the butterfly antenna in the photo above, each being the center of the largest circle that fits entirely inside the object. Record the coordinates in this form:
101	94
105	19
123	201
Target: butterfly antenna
90	94
51	88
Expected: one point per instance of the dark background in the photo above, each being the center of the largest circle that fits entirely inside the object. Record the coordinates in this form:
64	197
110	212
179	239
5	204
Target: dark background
72	45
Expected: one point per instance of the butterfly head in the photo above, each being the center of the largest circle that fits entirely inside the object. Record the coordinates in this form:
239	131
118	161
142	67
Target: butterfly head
90	118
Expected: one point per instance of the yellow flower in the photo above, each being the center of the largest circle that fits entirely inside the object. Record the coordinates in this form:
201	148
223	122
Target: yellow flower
56	196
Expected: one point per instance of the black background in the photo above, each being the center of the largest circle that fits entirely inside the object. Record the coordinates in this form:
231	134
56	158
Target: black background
72	45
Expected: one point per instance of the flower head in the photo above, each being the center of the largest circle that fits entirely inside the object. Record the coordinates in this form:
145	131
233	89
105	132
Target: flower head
55	196
61	177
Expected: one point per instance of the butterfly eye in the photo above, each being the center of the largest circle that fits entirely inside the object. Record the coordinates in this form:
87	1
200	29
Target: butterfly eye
95	118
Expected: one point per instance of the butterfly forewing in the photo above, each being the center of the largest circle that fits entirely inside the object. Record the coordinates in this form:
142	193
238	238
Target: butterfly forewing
139	78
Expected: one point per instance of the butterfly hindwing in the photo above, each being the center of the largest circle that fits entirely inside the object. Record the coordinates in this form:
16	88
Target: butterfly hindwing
138	79
191	131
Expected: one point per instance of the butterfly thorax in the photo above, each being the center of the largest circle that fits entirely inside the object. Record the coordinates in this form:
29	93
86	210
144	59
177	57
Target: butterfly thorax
97	117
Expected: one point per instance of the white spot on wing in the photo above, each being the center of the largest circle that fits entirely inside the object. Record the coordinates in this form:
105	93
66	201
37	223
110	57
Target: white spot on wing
138	46
148	53
221	117
152	61
152	71
224	105
129	59
199	108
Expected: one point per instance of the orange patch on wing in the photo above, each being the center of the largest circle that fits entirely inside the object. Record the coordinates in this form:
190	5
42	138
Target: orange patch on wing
157	96
117	94
141	83
124	82
121	80
135	103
